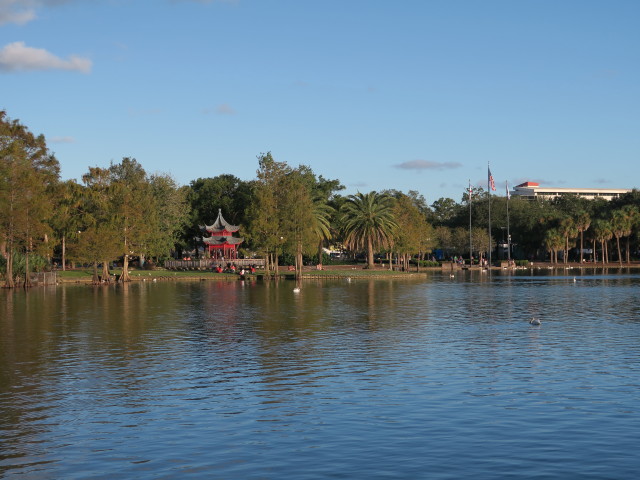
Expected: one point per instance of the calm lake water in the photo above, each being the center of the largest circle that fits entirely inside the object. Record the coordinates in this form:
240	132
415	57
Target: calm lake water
435	377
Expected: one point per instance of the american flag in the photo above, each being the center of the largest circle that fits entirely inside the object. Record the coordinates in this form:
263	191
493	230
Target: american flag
492	184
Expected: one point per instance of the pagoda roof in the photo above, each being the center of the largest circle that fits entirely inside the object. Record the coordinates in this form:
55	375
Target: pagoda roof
222	240
221	225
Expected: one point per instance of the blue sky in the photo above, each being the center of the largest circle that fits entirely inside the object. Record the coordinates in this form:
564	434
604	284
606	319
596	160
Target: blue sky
411	95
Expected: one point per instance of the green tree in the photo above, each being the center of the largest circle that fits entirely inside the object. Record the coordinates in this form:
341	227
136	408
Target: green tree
582	223
98	231
132	205
68	214
368	222
297	218
206	196
568	230
413	235
620	227
632	214
554	240
445	210
28	173
602	232
171	215
267	210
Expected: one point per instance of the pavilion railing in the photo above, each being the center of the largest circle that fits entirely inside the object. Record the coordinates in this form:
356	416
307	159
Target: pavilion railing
211	263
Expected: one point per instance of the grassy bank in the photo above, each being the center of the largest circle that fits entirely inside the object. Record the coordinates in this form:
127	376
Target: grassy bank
85	275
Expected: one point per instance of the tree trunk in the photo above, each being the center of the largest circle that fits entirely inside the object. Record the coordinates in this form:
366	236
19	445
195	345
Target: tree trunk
619	251
320	252
124	277
276	267
370	253
27	277
64	252
95	280
627	252
8	281
581	245
106	275
298	261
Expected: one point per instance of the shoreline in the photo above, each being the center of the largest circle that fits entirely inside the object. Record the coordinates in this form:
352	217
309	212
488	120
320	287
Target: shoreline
335	271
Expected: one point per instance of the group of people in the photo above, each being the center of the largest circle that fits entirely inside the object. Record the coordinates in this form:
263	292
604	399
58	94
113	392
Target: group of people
231	268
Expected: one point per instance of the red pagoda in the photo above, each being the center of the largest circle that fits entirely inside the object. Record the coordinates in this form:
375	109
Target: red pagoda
221	243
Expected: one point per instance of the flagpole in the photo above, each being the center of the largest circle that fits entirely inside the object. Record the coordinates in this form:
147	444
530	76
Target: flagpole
489	197
470	242
508	233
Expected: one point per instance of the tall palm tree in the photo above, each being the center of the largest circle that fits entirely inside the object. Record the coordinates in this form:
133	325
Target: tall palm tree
321	223
602	233
554	241
368	222
568	230
582	224
632	214
620	227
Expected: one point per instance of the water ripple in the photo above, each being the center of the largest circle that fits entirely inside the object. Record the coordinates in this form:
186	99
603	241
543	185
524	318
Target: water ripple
410	379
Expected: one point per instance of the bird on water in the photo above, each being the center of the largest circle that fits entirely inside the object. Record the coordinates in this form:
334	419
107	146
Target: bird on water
535	321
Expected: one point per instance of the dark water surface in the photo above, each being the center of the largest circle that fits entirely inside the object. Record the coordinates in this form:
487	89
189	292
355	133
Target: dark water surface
433	378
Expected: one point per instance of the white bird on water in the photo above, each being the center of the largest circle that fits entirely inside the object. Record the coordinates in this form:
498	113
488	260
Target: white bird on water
535	321
296	290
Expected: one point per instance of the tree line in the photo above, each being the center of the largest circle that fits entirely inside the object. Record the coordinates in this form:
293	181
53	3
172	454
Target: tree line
120	212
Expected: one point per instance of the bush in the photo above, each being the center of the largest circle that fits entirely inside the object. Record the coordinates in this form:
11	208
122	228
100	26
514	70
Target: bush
522	263
36	263
429	263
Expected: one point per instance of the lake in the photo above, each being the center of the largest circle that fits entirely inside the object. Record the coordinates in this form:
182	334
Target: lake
433	377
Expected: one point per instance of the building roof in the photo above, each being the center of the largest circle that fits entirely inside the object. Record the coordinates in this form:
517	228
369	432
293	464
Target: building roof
221	225
221	240
534	190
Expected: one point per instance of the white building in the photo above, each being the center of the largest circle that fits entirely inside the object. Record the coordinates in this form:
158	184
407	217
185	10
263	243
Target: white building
532	191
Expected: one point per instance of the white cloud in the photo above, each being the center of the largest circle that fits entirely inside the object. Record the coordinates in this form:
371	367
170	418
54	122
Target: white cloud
23	11
427	165
16	11
17	57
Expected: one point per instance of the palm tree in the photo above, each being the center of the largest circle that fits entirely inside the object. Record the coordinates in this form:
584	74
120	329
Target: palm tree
368	222
567	230
553	241
620	227
602	233
633	217
321	220
582	224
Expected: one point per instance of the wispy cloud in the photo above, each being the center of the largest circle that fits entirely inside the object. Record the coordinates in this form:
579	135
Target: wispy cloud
24	11
17	57
15	11
602	181
419	165
222	109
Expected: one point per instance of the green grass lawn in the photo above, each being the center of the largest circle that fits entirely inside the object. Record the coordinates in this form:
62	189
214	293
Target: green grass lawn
81	275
